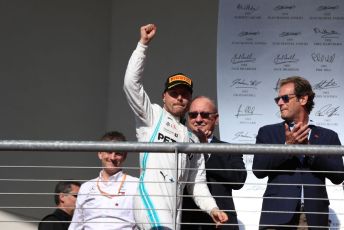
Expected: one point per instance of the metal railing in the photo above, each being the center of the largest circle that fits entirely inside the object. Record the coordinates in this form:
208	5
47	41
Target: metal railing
92	146
218	148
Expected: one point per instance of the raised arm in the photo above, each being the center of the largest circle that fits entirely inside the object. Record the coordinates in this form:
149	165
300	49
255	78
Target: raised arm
137	97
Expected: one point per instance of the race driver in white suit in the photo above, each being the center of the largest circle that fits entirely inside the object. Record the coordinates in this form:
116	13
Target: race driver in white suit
155	203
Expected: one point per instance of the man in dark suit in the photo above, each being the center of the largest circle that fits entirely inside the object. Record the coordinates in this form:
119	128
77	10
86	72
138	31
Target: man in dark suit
298	185
230	170
65	197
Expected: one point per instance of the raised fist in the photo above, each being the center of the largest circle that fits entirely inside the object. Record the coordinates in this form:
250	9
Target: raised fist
147	33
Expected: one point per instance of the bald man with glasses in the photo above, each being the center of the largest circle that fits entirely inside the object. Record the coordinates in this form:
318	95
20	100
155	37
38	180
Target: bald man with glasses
296	184
230	170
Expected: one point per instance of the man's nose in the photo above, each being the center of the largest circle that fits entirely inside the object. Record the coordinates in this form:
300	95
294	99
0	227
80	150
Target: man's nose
199	118
280	102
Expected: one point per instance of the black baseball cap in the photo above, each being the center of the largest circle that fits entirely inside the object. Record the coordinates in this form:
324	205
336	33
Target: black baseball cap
178	79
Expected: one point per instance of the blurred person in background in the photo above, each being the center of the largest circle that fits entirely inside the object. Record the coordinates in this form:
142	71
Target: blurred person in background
65	197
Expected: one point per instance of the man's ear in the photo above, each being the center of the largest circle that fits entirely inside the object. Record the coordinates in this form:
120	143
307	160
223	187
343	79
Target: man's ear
100	155
62	197
217	119
163	97
303	100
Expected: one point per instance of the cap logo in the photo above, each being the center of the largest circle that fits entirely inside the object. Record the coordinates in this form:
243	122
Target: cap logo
179	78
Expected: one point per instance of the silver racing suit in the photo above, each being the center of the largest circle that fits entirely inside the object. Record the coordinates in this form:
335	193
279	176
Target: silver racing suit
156	202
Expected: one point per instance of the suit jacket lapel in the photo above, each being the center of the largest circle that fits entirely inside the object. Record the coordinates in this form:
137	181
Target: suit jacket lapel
314	138
214	140
207	158
281	133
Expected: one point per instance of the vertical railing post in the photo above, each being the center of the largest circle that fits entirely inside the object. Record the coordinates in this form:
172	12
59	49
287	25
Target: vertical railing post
175	210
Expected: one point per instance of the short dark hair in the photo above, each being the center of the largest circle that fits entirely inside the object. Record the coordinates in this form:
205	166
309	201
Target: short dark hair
64	187
113	136
302	87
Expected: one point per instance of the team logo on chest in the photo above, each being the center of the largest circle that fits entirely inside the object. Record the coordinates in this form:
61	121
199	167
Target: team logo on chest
171	128
165	138
171	124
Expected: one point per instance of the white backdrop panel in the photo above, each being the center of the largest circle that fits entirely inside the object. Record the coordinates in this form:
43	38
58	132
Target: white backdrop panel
260	42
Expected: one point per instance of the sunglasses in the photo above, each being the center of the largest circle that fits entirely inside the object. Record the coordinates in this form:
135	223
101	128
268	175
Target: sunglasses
285	98
73	194
204	115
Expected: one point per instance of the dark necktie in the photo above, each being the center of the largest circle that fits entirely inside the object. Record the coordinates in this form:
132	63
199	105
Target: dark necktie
206	157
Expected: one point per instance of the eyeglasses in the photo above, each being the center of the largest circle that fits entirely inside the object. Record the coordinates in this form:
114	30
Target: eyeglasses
204	115
285	98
